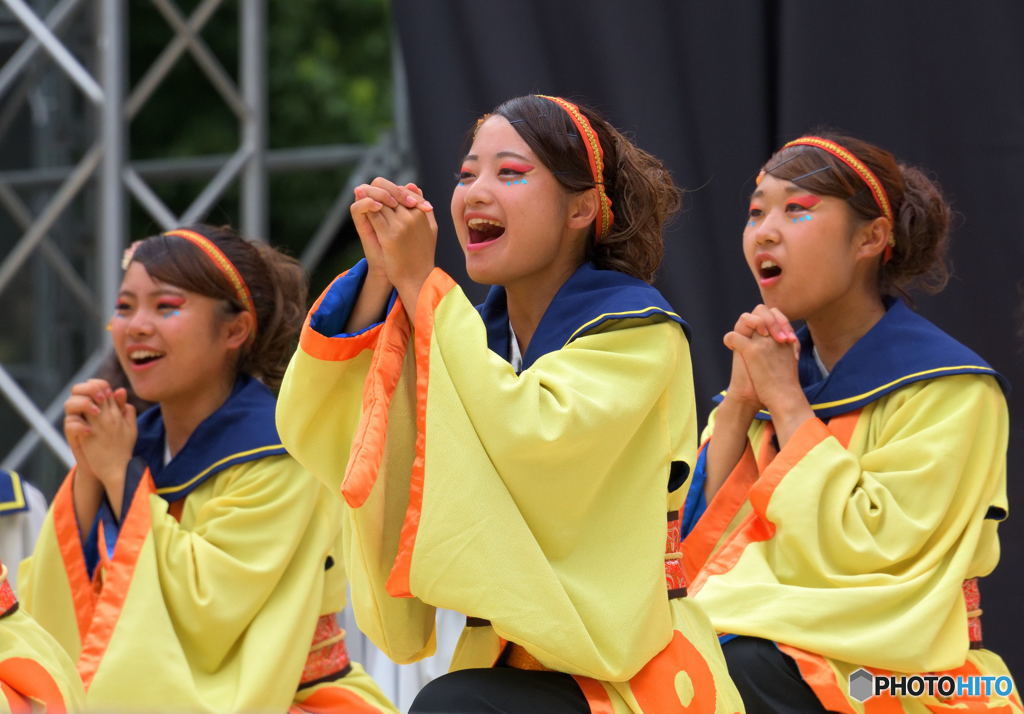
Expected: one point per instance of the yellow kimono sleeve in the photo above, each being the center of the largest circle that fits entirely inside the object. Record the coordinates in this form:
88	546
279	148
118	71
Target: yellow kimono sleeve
228	598
360	388
538	501
866	546
35	672
321	398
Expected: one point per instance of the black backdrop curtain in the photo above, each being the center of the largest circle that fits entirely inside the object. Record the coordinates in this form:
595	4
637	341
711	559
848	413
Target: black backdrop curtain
712	88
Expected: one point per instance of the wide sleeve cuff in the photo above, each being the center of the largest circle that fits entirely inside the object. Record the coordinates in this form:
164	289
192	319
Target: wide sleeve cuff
323	334
811	433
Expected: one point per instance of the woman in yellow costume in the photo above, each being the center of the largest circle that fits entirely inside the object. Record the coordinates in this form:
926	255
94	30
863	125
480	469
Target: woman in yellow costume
188	563
36	674
515	462
847	495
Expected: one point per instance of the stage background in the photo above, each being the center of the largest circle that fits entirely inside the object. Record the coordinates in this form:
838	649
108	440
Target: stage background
712	88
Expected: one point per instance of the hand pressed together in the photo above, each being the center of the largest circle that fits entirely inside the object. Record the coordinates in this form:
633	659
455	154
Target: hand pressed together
100	427
398	232
765	353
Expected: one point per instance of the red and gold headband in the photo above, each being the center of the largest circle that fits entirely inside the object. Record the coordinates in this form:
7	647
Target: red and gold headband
222	262
858	167
595	156
216	255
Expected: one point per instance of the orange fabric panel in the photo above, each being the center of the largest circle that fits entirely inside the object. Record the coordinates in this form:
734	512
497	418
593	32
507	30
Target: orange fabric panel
333	349
329	699
26	682
597	697
756	526
811	433
842	426
700	542
134	531
820	676
436	286
368	442
176	508
751	530
15	702
654	685
65	523
976	703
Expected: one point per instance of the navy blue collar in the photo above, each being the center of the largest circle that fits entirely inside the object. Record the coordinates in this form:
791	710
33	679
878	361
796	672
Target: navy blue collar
12	494
899	349
242	429
590	301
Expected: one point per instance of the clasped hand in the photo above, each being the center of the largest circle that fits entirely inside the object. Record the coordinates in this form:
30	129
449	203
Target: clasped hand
398	232
764	367
100	427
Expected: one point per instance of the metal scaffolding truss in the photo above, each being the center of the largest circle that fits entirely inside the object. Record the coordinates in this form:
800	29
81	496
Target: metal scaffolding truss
106	170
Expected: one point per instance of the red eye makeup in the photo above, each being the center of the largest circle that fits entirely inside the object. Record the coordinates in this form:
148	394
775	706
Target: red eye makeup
516	166
808	202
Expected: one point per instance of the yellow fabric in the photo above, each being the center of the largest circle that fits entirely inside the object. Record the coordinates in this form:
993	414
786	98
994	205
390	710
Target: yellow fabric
544	500
873	542
318	409
221	608
22	638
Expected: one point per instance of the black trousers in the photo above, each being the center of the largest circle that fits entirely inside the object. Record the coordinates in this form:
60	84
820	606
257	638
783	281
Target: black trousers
501	690
768	680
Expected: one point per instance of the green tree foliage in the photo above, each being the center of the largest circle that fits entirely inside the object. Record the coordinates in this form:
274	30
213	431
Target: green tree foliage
328	82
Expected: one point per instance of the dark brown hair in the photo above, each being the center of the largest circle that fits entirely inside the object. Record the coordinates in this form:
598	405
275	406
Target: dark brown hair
921	214
276	281
641	189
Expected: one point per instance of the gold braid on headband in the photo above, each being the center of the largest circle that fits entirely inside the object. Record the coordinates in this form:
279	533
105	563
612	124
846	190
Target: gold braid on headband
860	168
595	156
216	256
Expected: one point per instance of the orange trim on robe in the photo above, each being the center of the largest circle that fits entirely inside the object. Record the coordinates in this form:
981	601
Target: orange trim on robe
328	700
756	526
26	684
334	349
134	531
65	522
15	702
368	442
701	541
597	697
436	286
679	656
821	678
968	703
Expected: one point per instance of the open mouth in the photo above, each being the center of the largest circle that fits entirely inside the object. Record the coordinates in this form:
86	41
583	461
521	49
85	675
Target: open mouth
484	230
768	269
143	357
